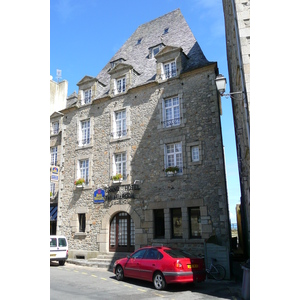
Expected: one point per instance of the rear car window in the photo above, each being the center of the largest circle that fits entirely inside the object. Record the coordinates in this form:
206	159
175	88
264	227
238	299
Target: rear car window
62	242
53	242
176	253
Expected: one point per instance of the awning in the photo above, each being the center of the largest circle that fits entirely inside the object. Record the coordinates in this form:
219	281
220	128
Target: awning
53	213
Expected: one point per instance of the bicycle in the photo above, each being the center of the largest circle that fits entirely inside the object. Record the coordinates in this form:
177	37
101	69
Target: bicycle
217	271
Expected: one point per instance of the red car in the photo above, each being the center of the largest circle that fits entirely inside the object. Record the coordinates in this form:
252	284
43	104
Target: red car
161	265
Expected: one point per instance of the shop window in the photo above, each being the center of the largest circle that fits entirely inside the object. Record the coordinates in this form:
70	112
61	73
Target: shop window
195	222
159	224
176	219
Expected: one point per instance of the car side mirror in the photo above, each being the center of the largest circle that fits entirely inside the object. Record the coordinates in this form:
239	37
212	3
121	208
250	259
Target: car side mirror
128	256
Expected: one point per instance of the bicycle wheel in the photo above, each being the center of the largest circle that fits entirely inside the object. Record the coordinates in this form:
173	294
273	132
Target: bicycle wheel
218	272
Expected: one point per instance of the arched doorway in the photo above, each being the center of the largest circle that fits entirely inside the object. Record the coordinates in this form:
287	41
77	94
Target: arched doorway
121	233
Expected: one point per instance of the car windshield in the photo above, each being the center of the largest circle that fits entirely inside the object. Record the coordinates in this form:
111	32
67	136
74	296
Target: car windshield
176	253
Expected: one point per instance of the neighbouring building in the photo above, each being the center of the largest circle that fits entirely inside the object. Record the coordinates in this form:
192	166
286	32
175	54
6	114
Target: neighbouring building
237	28
58	96
151	117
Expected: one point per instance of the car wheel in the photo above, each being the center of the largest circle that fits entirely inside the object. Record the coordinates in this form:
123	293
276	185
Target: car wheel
61	262
119	273
159	281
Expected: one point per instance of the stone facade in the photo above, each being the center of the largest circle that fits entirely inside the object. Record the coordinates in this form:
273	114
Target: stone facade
237	26
147	193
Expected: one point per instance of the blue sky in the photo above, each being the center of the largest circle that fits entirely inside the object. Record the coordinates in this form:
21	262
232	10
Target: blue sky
85	34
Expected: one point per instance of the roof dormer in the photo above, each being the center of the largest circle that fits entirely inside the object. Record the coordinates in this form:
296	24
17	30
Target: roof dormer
122	77
170	61
89	87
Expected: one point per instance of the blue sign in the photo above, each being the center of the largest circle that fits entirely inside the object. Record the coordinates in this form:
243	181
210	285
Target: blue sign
99	196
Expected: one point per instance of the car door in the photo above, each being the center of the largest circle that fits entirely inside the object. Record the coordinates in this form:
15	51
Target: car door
149	264
132	266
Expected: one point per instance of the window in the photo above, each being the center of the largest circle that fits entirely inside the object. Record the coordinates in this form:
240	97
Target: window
81	219
174	156
171	112
139	254
195	222
84	139
176	219
170	69
195	153
155	51
53	151
121	85
159	224
120	164
153	254
139	41
120	124
84	170
166	30
87	96
52	188
55	128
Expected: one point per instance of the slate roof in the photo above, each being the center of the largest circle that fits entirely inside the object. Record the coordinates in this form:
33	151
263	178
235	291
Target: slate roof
152	34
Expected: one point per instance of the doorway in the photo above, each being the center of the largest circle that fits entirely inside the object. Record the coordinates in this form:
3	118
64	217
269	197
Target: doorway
121	233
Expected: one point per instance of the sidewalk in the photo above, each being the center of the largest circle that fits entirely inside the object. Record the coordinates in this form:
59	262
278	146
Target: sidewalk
225	289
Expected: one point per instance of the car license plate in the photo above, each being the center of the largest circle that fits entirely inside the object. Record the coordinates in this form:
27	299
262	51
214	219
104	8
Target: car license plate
194	266
52	255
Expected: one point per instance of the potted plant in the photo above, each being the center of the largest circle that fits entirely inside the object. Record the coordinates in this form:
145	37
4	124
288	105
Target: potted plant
171	170
117	178
79	182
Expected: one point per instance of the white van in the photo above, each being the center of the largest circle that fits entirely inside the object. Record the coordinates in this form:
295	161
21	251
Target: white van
58	249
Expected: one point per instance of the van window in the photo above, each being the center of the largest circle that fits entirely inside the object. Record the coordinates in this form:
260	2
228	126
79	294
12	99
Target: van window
62	242
53	242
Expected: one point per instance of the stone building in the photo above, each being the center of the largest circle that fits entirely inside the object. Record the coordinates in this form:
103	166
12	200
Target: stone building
237	28
58	96
152	115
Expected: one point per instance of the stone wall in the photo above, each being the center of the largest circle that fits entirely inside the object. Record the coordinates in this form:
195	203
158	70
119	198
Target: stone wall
202	184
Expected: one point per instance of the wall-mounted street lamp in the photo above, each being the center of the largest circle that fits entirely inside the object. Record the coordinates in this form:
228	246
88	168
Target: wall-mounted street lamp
221	84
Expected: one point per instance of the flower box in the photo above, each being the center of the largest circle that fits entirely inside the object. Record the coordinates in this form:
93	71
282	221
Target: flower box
79	183
117	178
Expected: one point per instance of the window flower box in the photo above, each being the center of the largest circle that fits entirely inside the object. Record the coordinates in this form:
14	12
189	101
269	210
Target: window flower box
117	178
79	183
171	171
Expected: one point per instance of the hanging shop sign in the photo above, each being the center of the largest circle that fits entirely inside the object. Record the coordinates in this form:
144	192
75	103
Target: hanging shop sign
99	196
54	173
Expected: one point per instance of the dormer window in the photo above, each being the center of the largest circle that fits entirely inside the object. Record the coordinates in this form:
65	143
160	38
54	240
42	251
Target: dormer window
170	69
155	51
87	96
121	85
166	30
139	41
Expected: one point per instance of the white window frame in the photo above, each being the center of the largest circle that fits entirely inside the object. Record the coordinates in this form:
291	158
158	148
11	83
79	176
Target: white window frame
55	127
87	96
85	132
53	155
171	112
120	85
170	69
173	156
83	170
120	127
195	153
120	164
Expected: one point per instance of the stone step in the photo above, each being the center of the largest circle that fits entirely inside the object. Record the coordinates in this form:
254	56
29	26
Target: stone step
103	260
